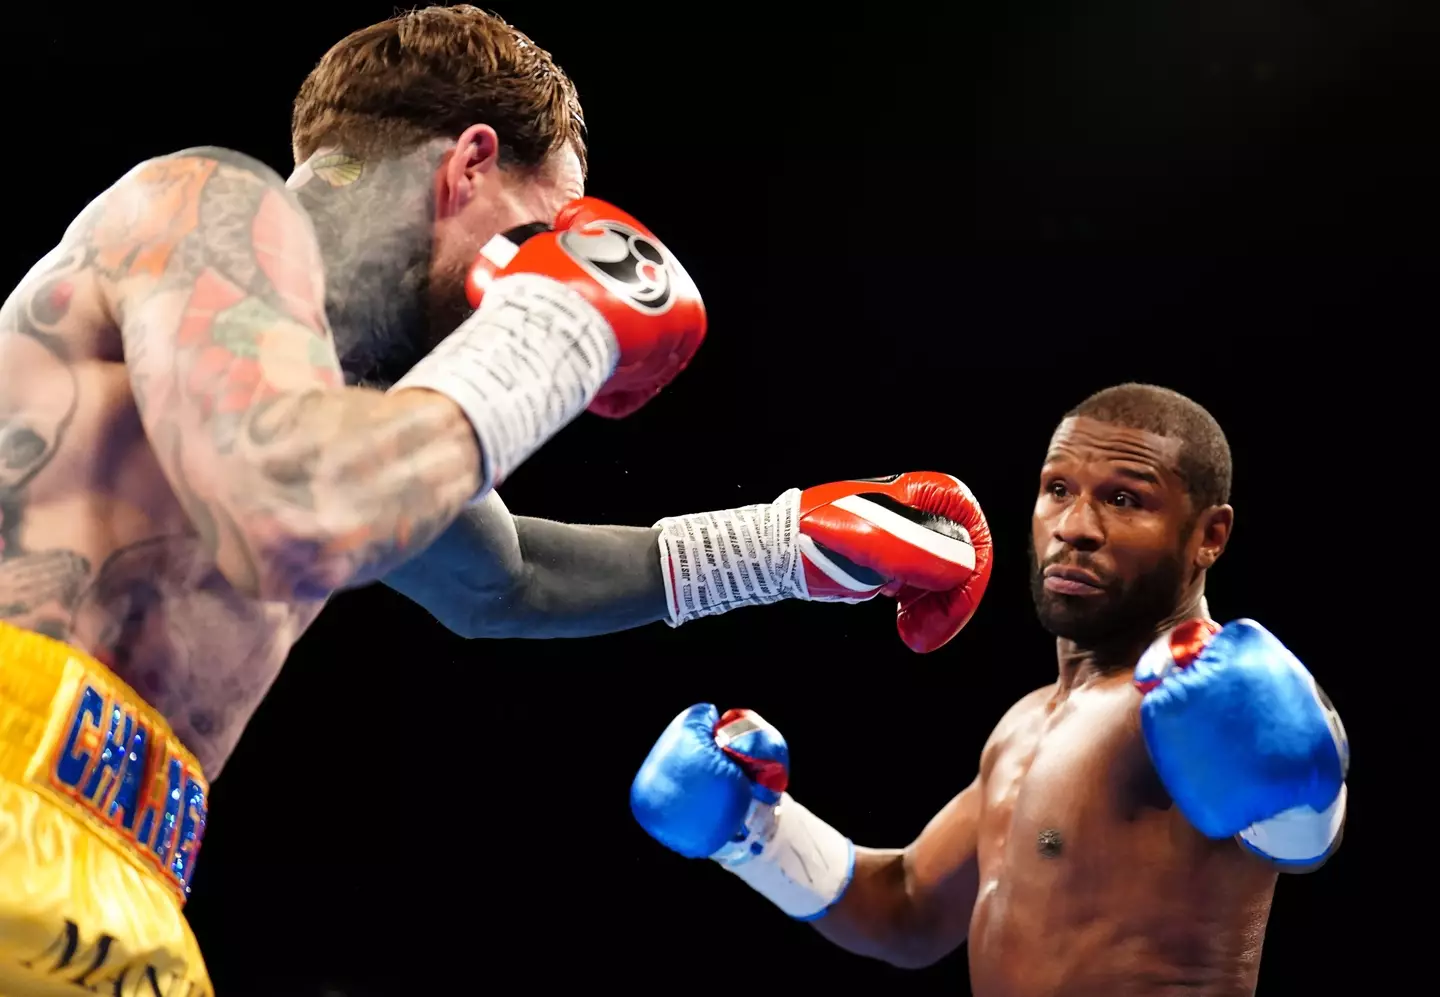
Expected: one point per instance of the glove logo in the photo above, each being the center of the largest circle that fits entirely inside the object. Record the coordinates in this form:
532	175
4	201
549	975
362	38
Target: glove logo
627	263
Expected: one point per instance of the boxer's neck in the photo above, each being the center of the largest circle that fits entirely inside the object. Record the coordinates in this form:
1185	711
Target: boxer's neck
1083	662
374	219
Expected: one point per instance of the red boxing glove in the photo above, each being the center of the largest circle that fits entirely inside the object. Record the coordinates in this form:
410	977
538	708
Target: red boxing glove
649	301
919	536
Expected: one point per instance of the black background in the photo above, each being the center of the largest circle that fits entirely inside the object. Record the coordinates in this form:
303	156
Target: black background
920	240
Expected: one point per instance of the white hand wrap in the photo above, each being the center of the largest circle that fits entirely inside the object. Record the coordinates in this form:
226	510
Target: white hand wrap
529	361
791	857
714	562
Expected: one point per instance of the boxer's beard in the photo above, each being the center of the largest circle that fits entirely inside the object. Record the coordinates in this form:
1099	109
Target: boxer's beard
375	226
1125	609
445	306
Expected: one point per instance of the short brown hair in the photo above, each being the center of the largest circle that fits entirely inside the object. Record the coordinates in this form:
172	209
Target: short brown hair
431	73
1204	461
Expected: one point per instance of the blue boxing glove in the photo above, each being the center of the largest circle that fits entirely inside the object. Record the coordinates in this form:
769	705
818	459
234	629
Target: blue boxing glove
1244	740
715	787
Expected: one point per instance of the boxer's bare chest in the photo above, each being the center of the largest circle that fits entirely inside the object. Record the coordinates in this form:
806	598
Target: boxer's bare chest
1087	873
95	547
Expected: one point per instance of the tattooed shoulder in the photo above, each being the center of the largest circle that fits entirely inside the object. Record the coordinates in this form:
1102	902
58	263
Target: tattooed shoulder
229	157
211	210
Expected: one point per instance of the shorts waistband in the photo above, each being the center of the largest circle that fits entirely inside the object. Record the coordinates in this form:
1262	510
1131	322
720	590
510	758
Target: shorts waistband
73	731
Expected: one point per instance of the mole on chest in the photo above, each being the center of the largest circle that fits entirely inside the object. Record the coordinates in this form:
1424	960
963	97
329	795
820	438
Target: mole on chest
1049	843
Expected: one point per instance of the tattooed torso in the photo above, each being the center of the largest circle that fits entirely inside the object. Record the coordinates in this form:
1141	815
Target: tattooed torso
96	546
184	476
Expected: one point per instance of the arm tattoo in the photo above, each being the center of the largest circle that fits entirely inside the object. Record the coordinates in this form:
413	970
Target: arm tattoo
297	486
38	588
401	469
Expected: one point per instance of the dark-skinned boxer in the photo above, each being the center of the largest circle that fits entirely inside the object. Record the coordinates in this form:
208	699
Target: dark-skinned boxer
1127	823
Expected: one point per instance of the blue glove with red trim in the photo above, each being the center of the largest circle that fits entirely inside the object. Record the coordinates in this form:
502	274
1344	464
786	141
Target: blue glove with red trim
715	787
1244	739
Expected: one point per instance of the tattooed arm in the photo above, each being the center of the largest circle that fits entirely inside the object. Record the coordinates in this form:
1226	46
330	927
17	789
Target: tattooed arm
496	575
299	485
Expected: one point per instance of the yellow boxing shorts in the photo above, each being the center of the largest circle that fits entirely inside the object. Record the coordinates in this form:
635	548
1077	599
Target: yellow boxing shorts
101	816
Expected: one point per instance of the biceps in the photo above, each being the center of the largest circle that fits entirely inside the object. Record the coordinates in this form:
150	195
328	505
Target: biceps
471	572
942	868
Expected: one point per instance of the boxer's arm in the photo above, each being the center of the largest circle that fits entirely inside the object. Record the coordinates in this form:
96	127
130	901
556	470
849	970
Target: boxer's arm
496	575
298	485
911	907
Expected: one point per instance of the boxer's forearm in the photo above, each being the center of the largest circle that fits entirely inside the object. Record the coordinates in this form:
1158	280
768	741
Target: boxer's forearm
583	580
878	918
361	481
497	575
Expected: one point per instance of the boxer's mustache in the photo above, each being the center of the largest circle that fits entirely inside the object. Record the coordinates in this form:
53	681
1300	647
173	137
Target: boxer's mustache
1081	562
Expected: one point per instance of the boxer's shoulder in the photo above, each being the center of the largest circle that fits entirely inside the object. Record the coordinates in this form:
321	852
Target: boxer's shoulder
174	217
1020	717
156	194
1026	708
222	156
174	175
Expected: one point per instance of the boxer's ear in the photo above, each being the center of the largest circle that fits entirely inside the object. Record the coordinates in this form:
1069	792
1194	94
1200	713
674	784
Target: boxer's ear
466	169
1215	525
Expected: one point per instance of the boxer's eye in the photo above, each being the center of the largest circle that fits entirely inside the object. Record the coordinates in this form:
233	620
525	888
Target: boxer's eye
1126	501
1056	489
